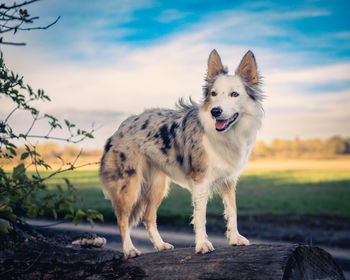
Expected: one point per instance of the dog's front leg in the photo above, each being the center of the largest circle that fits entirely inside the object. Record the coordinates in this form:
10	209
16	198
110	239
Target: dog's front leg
199	200
229	199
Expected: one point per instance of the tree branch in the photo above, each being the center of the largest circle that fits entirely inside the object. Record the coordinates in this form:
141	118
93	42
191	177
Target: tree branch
40	27
14	6
12	43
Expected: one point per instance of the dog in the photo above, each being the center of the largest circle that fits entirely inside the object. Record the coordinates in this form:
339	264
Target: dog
202	147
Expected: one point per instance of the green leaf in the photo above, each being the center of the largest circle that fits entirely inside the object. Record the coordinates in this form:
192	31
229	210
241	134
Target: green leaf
5	226
59	188
79	215
41	211
91	221
24	155
68	216
19	172
27	202
4	200
68	183
32	211
77	220
6	213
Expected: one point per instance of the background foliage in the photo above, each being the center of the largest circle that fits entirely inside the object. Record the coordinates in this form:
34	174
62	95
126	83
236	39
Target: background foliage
22	194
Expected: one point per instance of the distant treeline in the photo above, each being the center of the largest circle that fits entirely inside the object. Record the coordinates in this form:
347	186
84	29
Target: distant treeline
281	149
57	155
297	148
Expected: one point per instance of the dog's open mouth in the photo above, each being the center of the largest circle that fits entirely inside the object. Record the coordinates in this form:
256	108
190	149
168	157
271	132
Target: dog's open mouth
222	125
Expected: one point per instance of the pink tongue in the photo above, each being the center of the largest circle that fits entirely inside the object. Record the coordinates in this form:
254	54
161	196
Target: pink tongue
220	124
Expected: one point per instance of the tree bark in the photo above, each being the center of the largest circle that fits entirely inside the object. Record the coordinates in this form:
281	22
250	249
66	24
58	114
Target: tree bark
38	260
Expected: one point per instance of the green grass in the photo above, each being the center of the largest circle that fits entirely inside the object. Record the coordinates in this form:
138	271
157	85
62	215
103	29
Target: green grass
258	192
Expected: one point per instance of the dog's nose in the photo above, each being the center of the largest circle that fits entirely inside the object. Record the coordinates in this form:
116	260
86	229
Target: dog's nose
216	112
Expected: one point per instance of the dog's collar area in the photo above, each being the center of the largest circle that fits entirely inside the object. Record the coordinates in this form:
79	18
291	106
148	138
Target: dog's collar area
222	125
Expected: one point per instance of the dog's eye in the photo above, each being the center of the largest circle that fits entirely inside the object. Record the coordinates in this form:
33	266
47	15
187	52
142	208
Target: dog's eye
213	93
234	94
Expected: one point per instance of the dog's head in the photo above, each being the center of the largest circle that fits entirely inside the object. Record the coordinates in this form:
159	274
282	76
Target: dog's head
228	97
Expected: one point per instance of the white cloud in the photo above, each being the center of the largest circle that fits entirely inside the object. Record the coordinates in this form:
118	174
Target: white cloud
170	15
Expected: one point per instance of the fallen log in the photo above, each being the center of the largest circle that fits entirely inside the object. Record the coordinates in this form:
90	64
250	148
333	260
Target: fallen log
40	260
243	262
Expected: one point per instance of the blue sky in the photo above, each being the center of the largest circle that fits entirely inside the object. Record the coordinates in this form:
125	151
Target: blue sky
104	60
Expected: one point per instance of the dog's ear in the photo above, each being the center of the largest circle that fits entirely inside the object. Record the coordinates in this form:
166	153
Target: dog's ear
248	69
214	66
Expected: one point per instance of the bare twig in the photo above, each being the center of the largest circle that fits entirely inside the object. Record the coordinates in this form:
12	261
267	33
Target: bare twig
76	158
14	6
36	259
40	27
36	165
10	114
69	168
13	18
58	138
31	126
11	43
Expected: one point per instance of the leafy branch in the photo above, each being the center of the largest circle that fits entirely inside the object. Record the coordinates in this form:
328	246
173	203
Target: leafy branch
15	17
23	195
21	192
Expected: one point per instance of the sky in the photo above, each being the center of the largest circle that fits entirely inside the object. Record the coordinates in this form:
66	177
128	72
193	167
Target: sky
105	60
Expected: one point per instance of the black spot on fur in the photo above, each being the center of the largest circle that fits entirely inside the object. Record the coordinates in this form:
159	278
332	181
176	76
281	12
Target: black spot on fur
130	172
106	149
180	159
159	114
149	134
173	128
108	145
190	161
123	188
144	126
185	119
121	135
136	119
122	156
165	135
156	135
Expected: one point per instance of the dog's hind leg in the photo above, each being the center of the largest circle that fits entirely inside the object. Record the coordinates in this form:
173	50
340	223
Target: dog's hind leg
155	196
124	199
229	200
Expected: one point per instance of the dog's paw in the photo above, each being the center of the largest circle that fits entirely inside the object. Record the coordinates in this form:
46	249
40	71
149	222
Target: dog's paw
204	247
164	246
132	253
237	239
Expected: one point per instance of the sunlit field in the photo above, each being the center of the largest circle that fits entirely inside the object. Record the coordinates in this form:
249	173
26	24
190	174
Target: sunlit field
270	188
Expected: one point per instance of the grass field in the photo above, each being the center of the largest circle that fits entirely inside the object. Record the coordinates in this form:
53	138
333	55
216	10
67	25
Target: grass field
259	191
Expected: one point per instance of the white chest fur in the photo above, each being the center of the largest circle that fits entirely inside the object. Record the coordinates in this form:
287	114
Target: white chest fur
228	152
